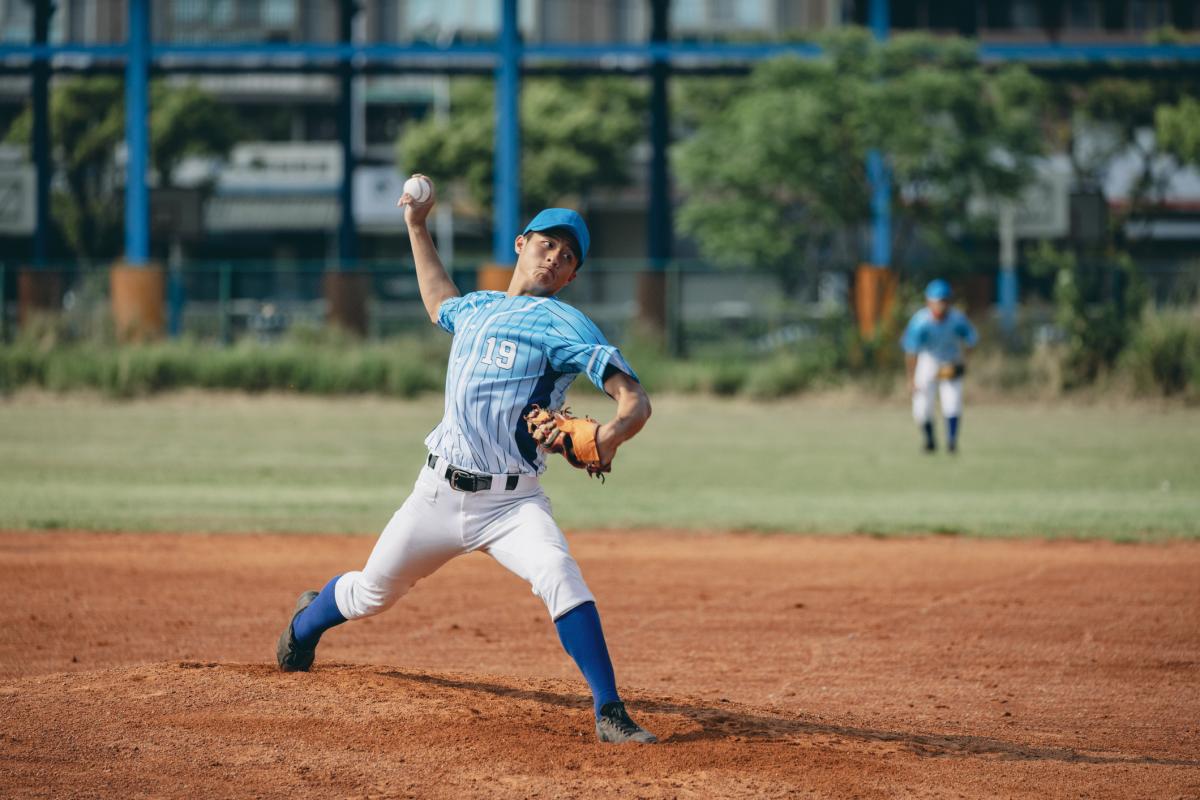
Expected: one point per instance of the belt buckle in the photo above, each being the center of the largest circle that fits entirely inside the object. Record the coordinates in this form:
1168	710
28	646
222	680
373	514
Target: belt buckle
467	483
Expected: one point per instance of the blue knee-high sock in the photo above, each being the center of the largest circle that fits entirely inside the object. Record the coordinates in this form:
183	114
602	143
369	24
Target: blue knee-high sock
582	637
928	429
952	429
321	615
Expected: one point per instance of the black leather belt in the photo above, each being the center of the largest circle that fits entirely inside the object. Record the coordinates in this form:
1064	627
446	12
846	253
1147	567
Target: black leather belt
465	481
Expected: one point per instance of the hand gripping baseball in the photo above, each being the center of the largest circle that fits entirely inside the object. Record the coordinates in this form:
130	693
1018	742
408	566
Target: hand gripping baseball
418	198
559	431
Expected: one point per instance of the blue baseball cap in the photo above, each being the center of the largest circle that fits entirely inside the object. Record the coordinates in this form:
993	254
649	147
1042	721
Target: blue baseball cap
937	290
562	218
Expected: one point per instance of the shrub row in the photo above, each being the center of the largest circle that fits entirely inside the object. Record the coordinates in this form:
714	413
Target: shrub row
402	369
146	369
1162	358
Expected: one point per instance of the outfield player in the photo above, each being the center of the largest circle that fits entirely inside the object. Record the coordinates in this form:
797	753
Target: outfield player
936	343
478	488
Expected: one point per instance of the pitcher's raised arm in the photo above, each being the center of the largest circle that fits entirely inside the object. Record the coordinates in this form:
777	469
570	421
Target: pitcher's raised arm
432	280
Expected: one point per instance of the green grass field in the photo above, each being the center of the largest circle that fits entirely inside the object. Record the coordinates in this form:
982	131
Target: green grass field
236	463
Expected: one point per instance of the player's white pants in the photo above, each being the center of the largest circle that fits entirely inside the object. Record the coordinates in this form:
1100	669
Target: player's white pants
437	523
926	383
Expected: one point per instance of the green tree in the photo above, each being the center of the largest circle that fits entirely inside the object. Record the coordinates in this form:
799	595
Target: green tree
1098	121
576	135
87	120
776	178
1177	129
187	121
87	123
1097	308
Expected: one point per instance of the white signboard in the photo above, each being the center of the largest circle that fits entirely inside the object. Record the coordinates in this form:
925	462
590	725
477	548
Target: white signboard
271	213
1043	209
17	199
376	190
283	165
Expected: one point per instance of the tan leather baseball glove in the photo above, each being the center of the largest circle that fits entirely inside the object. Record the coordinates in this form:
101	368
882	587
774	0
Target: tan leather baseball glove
949	371
572	437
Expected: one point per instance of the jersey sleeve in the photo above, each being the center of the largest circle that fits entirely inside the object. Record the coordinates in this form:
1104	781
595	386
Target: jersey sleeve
911	340
575	345
454	307
967	331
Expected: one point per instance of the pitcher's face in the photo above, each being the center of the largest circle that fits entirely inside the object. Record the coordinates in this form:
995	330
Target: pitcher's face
545	264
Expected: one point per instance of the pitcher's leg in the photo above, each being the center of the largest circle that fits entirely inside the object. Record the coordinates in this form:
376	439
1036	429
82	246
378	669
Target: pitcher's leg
419	538
582	637
530	544
411	547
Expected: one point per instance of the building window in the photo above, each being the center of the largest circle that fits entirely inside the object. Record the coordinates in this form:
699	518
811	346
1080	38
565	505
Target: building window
448	19
16	21
1025	14
1147	14
225	20
1084	15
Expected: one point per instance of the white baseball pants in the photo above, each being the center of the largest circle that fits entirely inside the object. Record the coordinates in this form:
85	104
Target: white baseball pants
926	384
437	523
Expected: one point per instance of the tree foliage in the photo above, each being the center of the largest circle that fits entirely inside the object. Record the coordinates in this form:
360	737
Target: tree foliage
576	136
187	121
776	178
1097	308
87	120
1177	129
87	124
1101	122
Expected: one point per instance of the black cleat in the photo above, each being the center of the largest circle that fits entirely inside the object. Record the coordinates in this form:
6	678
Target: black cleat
614	725
952	448
290	655
929	447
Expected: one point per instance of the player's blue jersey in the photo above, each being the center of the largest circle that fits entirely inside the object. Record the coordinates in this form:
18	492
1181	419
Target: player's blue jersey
942	340
510	353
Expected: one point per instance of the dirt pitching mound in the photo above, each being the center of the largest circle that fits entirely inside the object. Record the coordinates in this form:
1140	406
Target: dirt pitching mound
140	665
209	730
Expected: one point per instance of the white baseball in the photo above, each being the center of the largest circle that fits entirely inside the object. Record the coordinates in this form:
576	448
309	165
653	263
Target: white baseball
419	189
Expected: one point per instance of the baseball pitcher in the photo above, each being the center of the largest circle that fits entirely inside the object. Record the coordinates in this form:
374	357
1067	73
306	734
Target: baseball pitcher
936	343
513	356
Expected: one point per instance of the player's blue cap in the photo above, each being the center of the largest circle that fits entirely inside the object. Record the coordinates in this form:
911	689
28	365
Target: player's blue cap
562	218
937	290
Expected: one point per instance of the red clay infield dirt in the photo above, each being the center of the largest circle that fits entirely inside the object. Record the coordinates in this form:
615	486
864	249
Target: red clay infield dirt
770	666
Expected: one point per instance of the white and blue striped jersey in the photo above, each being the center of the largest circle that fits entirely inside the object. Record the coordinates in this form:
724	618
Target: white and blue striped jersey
942	340
508	354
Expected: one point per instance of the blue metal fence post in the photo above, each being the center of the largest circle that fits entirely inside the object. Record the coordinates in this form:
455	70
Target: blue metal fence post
176	297
879	18
507	187
654	295
347	233
874	283
660	233
346	287
880	177
881	209
1006	279
41	134
137	135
